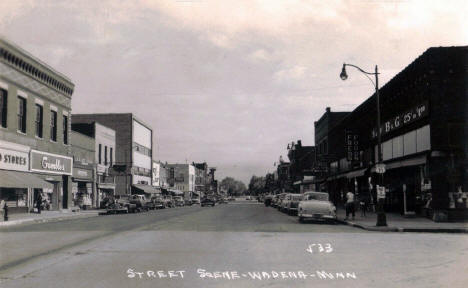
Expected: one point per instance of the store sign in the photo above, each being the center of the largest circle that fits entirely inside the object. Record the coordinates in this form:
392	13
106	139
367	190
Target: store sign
403	119
380	192
352	146
51	163
14	160
82	173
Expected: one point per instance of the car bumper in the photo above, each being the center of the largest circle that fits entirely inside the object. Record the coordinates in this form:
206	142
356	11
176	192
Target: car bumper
318	216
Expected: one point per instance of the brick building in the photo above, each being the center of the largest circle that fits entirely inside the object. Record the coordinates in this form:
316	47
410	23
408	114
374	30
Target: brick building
35	105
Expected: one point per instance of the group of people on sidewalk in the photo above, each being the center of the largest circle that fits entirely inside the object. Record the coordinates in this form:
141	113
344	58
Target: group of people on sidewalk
350	206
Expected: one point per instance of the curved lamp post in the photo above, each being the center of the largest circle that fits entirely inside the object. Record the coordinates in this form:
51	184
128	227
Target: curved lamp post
381	217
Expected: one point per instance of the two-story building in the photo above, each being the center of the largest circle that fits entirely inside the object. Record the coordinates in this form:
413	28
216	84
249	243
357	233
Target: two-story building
133	164
35	105
104	155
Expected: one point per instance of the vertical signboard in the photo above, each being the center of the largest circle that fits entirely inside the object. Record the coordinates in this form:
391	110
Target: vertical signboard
352	146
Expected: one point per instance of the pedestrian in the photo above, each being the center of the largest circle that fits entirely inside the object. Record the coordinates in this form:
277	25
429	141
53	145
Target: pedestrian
349	204
39	203
363	206
2	208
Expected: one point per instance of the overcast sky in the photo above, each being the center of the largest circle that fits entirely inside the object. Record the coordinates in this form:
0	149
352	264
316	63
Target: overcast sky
228	82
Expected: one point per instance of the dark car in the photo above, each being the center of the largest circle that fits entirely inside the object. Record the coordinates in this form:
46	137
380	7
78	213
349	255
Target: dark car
208	202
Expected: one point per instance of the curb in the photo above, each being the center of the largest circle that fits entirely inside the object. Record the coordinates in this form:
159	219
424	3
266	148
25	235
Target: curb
45	220
400	229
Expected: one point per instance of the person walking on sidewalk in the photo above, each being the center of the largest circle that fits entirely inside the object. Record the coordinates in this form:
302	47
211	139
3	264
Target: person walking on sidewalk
349	204
39	203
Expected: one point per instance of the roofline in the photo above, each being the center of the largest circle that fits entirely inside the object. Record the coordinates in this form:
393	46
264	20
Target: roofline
25	53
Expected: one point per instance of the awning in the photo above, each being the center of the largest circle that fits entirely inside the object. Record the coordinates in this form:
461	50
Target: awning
106	186
146	189
16	179
176	192
356	173
405	163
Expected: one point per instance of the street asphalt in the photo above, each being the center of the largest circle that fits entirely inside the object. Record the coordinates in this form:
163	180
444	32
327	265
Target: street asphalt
240	244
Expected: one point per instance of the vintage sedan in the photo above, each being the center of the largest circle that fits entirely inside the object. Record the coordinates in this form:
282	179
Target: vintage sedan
208	201
316	206
291	203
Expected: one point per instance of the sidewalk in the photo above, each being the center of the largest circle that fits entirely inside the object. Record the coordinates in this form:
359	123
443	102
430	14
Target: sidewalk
46	216
398	223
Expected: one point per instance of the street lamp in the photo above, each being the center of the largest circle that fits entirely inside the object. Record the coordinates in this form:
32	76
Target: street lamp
381	217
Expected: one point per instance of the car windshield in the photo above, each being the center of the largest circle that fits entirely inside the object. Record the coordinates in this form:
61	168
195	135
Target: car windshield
316	196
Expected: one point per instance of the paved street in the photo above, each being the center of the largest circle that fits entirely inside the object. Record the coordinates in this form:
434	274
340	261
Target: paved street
250	245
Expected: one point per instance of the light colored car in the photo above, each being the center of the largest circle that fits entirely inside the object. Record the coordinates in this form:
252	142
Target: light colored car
290	203
316	206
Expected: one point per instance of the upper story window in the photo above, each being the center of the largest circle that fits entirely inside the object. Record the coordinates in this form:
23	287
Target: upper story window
105	155
39	120
99	154
65	129
3	107
111	156
53	125
21	114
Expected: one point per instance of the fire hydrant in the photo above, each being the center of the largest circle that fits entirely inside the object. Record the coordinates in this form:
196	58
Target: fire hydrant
5	212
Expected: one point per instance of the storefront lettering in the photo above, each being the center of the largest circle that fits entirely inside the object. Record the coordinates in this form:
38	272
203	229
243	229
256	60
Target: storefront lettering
403	119
13	159
56	166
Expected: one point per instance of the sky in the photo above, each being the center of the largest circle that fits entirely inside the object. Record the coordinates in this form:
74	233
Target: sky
228	82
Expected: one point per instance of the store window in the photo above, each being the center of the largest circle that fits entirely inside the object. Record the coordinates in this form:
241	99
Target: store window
53	125
423	139
39	120
409	142
21	114
3	107
397	146
387	148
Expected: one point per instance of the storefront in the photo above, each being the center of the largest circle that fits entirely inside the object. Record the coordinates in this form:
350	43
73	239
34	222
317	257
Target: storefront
18	187
105	185
56	170
82	186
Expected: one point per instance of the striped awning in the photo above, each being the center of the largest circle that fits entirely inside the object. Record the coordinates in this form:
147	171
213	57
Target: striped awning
16	179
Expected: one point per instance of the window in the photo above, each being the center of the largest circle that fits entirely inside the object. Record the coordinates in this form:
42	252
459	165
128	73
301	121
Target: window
39	120
409	143
3	108
105	155
65	130
423	139
21	114
111	156
99	154
53	125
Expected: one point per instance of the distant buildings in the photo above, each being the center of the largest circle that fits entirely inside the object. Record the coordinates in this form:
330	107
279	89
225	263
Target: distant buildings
424	127
134	150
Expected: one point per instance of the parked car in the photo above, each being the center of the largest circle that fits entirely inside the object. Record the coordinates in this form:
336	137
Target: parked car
195	201
178	201
279	202
222	200
291	202
248	198
115	208
231	198
208	201
316	206
168	201
158	202
188	202
141	203
124	201
267	200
